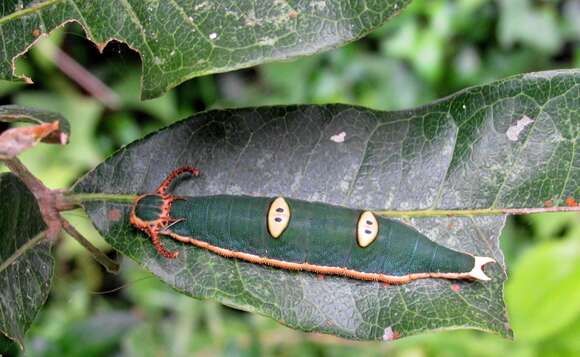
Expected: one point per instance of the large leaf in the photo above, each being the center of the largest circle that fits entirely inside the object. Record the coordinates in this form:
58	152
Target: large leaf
503	145
181	39
26	264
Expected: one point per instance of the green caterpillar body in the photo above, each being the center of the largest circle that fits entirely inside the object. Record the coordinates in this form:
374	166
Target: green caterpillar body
314	237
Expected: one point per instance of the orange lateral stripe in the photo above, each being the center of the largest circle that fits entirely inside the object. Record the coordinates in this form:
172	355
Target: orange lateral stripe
318	269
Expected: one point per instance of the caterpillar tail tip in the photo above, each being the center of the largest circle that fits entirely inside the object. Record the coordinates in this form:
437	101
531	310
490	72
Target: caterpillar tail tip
477	271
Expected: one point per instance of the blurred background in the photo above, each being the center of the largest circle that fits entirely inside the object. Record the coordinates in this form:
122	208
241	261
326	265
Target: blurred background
434	48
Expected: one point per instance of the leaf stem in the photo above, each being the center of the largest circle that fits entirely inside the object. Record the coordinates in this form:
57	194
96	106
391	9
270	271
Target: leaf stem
23	249
109	264
78	198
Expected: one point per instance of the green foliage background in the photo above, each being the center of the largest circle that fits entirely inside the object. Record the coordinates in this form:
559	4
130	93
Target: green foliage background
435	47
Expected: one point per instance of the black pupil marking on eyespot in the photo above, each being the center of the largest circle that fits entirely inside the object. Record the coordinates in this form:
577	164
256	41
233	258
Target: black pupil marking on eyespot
370	223
367	231
279	209
278	219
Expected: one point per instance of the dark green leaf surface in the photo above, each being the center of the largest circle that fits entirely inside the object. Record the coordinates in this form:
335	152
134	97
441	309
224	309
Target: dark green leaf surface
181	39
463	152
17	113
25	283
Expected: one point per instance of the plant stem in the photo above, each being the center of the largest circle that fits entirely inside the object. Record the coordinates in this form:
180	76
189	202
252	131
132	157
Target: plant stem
109	264
85	79
33	184
20	251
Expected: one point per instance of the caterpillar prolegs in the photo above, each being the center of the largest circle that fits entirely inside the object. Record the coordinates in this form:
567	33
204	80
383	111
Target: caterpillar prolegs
298	235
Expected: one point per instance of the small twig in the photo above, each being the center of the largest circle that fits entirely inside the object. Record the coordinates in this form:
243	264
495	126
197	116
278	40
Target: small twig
21	250
109	264
85	79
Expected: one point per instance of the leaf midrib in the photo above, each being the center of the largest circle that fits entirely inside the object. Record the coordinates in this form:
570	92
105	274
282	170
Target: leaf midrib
80	198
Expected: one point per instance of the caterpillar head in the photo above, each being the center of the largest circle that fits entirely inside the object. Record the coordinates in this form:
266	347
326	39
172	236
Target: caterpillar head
150	214
148	210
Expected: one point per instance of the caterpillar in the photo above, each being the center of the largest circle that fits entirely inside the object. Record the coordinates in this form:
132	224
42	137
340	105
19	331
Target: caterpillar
298	235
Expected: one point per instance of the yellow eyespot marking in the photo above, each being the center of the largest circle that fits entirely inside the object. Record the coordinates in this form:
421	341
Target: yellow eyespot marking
367	229
278	217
